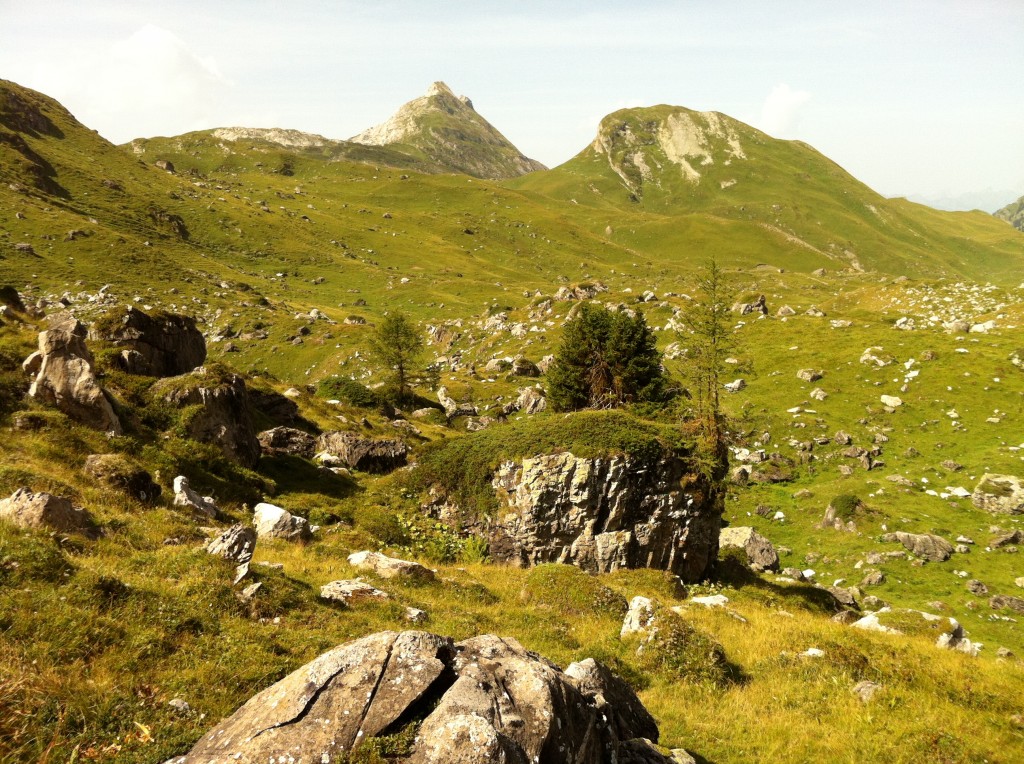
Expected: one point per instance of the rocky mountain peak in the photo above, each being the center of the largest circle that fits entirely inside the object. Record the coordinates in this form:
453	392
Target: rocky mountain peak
448	130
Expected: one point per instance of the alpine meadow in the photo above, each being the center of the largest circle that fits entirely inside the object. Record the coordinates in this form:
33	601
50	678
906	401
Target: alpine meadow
406	448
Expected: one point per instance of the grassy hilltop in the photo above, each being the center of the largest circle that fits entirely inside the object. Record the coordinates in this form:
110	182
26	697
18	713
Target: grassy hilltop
249	230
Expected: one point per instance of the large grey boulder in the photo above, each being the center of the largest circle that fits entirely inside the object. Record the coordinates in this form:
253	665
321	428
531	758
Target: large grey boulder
163	345
367	454
485	700
65	378
605	513
44	511
225	416
761	555
1000	494
927	546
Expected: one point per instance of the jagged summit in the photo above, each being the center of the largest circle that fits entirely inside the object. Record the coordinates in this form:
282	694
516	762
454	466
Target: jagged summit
446	129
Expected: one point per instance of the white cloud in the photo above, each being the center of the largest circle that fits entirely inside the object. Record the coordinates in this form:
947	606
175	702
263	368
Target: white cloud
780	113
150	83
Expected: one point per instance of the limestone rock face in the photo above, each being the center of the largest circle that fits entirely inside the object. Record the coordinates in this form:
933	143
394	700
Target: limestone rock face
366	454
1001	494
603	514
64	375
485	700
155	346
925	545
276	523
226	417
761	555
44	511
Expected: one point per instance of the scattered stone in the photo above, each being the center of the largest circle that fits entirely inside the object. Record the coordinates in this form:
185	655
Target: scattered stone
184	496
874	578
874	356
810	375
761	555
924	545
736	385
1007	539
1000	494
390	567
1001	601
974	586
891	401
785	311
818	394
866	690
237	544
711	600
415	615
45	511
180	706
522	367
273	522
639	617
347	592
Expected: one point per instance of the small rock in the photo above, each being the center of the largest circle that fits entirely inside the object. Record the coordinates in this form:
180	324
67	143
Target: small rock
865	690
237	544
347	592
390	567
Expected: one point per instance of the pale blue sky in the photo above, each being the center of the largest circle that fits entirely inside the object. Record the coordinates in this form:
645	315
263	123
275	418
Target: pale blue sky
912	97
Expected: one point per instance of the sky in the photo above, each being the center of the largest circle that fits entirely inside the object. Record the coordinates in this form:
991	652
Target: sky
916	98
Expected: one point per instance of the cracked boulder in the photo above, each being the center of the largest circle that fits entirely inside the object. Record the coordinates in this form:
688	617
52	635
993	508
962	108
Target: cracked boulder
45	511
1000	494
927	546
484	700
761	555
65	378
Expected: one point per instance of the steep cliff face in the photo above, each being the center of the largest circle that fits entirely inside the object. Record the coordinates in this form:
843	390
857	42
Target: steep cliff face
446	129
606	513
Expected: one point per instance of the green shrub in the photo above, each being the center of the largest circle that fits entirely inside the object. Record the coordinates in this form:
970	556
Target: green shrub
348	391
384	525
677	648
845	506
570	591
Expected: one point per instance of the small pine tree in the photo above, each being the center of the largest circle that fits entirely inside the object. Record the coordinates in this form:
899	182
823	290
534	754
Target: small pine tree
398	344
708	345
606	359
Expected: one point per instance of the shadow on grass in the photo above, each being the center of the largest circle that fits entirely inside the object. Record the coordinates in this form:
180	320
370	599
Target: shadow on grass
292	474
732	572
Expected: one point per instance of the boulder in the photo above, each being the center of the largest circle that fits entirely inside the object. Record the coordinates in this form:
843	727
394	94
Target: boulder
891	401
1000	494
484	700
366	454
924	545
224	418
761	555
287	441
118	472
184	496
605	513
65	378
237	544
810	375
390	567
45	511
1001	601
531	400
453	408
273	522
523	367
639	617
162	345
759	306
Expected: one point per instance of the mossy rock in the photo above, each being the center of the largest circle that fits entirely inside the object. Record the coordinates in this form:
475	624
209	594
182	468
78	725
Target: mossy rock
569	591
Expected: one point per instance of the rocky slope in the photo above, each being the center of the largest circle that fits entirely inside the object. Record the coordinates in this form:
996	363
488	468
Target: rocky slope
1013	213
448	130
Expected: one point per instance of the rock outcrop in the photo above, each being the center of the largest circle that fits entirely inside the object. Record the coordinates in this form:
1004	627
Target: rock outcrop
760	553
1000	494
44	511
287	441
366	454
484	700
65	378
164	345
606	513
224	417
